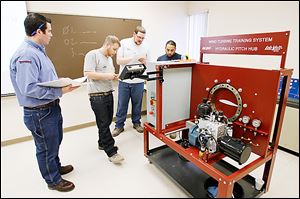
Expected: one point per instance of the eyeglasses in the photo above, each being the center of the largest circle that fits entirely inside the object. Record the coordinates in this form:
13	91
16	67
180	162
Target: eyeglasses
34	32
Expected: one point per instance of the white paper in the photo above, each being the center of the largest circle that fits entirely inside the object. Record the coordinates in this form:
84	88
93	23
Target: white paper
139	56
79	81
62	82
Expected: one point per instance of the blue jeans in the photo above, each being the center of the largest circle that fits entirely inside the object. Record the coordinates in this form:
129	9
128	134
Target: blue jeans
103	107
47	132
135	93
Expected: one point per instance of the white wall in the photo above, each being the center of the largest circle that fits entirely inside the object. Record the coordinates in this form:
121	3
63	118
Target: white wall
10	40
246	17
162	20
289	137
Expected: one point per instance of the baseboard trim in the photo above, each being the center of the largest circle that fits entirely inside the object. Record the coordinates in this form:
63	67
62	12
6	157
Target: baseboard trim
15	141
288	151
66	130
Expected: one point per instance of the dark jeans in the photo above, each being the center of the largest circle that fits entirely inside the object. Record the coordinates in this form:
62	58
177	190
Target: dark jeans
135	93
46	128
103	107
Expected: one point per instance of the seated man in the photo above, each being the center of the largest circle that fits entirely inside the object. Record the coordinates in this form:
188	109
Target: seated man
170	52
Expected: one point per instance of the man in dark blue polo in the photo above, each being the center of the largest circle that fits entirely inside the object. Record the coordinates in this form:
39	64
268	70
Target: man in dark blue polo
170	52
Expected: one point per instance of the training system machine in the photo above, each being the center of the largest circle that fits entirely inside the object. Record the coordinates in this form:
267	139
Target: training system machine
208	116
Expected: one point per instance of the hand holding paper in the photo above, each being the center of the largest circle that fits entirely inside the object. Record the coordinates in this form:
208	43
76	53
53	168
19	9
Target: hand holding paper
142	60
68	89
140	57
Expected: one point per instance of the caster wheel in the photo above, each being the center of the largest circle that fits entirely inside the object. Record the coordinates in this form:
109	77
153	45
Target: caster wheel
173	135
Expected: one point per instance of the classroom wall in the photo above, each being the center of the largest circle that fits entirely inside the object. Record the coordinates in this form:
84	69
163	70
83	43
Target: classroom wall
162	20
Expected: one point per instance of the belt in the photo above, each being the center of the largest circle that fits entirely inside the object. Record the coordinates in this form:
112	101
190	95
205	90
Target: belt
100	94
53	103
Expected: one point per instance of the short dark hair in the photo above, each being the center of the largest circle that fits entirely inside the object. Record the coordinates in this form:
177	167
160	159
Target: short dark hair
140	29
35	21
171	42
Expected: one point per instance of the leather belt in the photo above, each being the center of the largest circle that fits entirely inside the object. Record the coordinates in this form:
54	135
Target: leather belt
53	103
100	94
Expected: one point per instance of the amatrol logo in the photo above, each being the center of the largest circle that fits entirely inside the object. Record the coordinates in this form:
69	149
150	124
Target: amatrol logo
206	48
273	48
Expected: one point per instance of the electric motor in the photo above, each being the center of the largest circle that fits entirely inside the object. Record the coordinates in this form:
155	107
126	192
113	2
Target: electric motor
234	148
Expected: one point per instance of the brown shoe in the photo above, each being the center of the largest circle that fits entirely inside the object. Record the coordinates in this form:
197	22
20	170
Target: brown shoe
63	186
65	169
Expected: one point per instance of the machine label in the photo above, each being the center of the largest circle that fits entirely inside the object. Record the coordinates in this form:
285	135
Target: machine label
274	43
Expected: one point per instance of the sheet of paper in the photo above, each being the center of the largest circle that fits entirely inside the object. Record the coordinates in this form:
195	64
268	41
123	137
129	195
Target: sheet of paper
62	82
78	81
138	56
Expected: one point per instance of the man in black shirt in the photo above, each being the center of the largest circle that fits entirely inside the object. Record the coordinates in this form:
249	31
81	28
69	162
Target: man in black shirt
170	52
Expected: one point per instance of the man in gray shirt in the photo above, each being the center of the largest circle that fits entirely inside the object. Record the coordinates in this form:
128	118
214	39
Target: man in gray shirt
100	71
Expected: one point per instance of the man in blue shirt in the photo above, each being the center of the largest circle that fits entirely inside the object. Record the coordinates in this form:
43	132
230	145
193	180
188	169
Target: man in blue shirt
42	113
170	52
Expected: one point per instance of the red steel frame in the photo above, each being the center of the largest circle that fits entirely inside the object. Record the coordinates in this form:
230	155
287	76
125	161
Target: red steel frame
264	44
